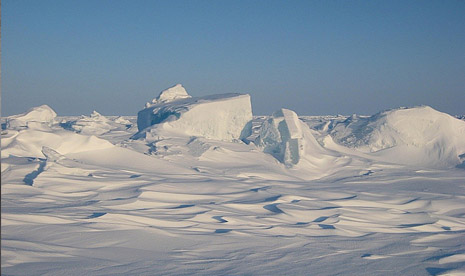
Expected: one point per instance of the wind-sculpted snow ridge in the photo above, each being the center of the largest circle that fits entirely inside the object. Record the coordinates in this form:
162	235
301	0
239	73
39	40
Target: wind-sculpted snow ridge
219	117
416	136
34	117
29	142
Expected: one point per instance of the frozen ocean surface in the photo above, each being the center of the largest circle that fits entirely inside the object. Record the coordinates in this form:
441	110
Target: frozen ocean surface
313	195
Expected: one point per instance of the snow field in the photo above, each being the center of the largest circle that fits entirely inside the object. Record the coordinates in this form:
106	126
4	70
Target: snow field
377	195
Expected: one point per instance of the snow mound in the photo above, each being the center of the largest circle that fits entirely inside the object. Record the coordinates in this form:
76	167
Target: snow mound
34	117
288	139
173	93
30	142
219	117
122	121
415	136
95	124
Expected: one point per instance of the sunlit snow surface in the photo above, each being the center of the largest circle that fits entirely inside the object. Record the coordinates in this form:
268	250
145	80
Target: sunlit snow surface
193	206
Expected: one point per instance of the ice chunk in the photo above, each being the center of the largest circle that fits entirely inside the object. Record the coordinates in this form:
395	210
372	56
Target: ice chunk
35	116
121	120
416	136
219	117
95	124
287	138
173	93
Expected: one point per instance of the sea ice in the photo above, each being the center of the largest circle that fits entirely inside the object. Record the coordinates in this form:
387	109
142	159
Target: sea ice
218	117
34	117
173	93
109	205
287	138
95	124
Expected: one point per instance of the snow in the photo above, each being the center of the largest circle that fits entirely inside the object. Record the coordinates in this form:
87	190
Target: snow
35	117
94	124
175	203
416	136
292	143
29	143
282	137
173	93
219	117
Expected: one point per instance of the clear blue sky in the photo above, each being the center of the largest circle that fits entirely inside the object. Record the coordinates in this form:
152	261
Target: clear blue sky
314	57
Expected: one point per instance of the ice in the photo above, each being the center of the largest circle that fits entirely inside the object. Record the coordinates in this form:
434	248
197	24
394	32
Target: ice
416	136
173	93
218	117
95	124
122	121
34	117
281	136
288	139
181	204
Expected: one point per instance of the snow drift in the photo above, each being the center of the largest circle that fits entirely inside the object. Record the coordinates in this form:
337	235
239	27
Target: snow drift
29	143
95	124
34	117
416	136
29	132
189	205
219	117
289	140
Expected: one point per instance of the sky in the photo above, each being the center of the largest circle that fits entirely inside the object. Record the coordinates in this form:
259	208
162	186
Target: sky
313	57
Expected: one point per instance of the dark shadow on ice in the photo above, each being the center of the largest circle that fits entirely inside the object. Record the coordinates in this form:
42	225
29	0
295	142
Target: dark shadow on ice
273	208
271	199
462	160
222	231
326	226
29	178
220	219
68	125
330	207
246	132
320	219
435	270
183	206
369	172
96	215
260	189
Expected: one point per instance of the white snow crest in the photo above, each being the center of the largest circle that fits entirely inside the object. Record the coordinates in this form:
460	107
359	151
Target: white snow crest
176	92
419	135
95	124
34	117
